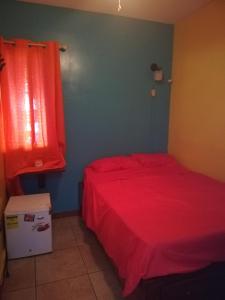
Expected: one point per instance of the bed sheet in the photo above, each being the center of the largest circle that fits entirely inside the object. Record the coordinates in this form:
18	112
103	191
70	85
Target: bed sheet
156	221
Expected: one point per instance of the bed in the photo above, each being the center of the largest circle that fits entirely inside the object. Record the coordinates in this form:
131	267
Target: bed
157	221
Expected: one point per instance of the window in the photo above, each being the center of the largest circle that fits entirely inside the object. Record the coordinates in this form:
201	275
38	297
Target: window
32	108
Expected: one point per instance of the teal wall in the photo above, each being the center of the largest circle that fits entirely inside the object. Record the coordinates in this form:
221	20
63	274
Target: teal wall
106	80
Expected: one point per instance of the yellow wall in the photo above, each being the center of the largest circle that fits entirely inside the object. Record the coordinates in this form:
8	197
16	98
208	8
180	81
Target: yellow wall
2	206
197	117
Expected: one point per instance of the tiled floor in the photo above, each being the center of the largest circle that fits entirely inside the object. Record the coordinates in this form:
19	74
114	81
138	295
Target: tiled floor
78	269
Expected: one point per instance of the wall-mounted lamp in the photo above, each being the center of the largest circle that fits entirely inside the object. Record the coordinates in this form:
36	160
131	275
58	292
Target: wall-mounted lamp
157	72
158	76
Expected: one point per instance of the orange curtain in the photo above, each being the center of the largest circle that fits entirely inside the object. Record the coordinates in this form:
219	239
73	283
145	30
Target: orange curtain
32	110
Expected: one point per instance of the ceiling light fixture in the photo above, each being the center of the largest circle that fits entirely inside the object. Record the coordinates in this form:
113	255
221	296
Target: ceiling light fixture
119	6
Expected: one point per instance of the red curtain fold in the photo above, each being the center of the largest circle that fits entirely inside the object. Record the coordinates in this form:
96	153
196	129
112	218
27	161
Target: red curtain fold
32	110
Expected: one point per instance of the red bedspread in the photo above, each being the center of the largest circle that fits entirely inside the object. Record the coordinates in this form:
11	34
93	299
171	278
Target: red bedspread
156	221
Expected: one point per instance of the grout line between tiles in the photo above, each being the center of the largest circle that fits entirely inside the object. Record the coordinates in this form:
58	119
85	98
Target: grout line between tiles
56	250
86	265
92	285
77	244
75	236
35	278
65	248
87	272
83	260
13	291
71	277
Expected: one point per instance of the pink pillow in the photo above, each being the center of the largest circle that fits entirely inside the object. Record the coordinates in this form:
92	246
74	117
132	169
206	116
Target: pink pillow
154	159
114	163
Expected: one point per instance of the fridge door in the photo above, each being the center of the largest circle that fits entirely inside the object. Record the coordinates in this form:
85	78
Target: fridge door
28	234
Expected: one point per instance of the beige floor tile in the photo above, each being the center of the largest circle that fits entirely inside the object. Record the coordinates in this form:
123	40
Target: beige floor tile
81	288
63	236
60	264
62	233
57	290
82	234
74	220
106	285
21	274
26	294
63	240
78	288
60	224
94	257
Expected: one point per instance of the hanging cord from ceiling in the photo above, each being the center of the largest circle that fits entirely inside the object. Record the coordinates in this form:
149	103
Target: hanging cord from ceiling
119	6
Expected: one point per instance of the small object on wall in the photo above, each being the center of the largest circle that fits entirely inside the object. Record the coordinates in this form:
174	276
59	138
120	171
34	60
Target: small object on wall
158	75
63	47
119	6
157	72
152	92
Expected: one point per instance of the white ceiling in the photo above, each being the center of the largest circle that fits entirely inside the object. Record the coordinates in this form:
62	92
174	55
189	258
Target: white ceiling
166	11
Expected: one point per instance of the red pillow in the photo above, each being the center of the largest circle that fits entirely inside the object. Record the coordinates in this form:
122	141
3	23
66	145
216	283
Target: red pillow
154	159
114	163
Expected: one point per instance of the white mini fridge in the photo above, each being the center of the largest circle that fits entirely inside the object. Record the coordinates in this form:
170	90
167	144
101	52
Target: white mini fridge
28	225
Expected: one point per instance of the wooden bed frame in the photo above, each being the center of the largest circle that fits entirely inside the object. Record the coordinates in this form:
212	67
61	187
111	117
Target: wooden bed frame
205	284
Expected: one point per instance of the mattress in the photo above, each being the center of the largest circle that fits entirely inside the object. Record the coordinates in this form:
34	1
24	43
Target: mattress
155	221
